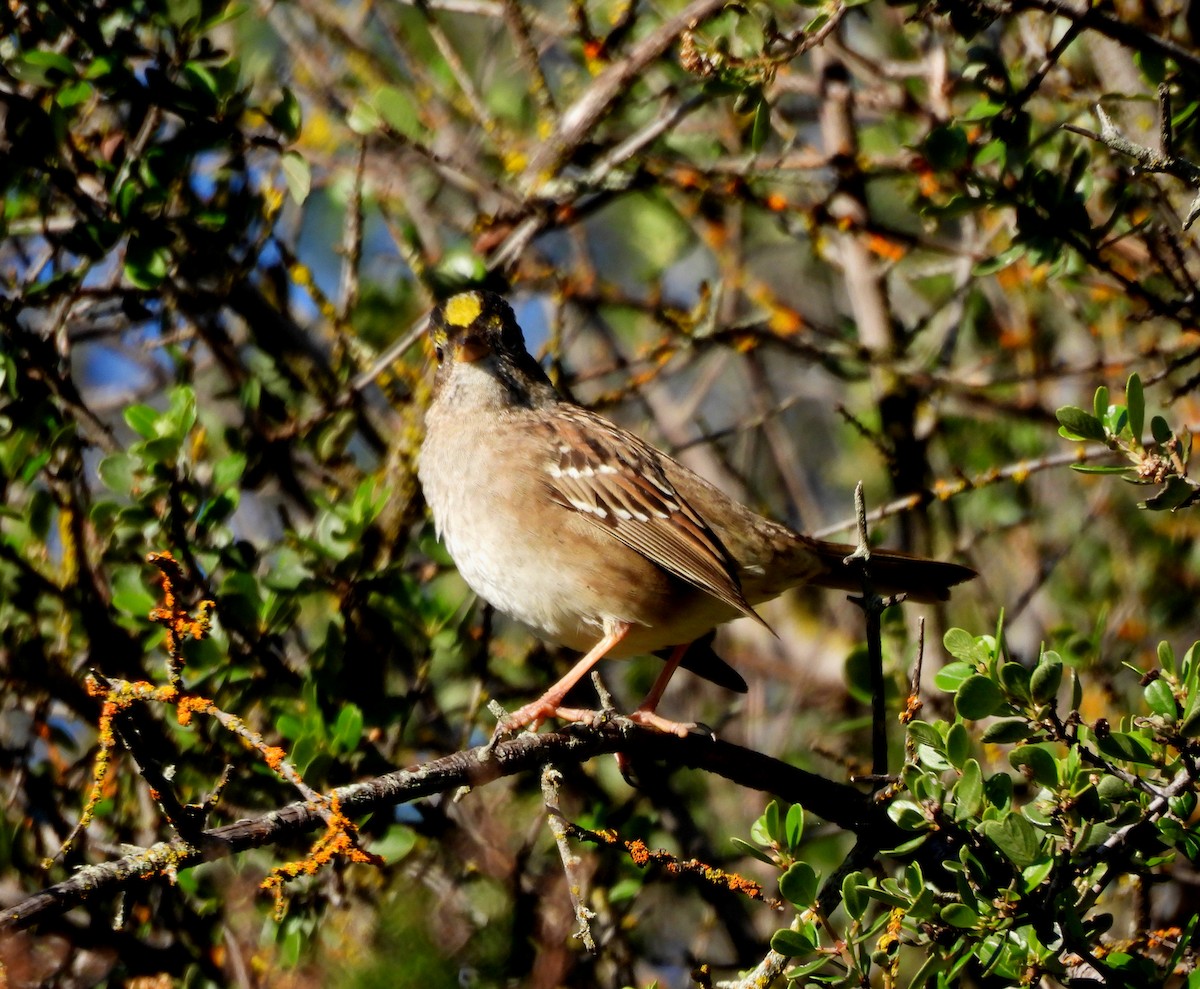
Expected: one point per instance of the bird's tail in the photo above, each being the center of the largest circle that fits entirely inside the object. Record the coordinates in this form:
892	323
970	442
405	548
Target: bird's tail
890	571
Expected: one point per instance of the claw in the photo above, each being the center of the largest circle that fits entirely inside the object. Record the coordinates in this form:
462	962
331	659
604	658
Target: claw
649	719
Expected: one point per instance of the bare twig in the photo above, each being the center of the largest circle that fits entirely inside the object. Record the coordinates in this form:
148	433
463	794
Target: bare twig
872	606
578	121
944	490
1148	159
572	864
352	242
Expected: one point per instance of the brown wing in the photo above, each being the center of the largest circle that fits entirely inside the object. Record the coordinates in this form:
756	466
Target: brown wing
617	482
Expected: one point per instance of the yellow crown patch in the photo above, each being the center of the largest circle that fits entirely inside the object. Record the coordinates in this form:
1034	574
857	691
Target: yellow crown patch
463	309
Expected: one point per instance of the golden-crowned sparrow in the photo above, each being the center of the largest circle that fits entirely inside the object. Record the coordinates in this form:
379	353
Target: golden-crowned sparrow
587	534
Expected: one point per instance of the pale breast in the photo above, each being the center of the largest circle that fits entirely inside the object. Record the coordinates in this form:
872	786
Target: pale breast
536	561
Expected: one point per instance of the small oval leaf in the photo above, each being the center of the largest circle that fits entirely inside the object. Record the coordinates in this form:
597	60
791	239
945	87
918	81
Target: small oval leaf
799	885
1081	425
978	697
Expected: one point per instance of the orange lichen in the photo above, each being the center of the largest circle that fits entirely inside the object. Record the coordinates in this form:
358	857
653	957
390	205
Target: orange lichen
340	840
785	322
175	618
911	708
643	857
776	202
885	247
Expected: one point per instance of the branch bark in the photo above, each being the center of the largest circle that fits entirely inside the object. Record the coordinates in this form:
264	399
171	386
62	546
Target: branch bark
838	803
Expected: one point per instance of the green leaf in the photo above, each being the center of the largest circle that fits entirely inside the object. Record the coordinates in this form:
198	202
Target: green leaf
1160	430
752	850
117	472
946	147
770	822
1038	760
968	792
934	965
180	416
998	790
1135	402
1183	805
907	815
202	82
1046	678
399	110
760	129
1125	745
290	726
922	906
1190	726
853	901
146	266
1037	873
1015	837
794	944
162	450
799	885
347	730
228	471
892	899
914	879
1166	657
40	513
184	13
1005	731
1176	493
364	119
297	175
1100	402
962	645
41	67
396	844
1079	425
978	697
959	915
905	847
1161	699
1099	469
1153	65
793	826
989	266
143	420
74	93
794	972
958	745
952	676
1116	421
130	594
1015	680
923	733
286	115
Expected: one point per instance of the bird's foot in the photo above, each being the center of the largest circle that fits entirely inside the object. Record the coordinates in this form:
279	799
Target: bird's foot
533	714
650	719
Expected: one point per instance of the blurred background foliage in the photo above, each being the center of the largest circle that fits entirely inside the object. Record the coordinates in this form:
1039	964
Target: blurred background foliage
798	244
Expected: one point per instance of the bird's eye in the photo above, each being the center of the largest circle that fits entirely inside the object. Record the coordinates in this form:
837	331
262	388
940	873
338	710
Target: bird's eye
439	353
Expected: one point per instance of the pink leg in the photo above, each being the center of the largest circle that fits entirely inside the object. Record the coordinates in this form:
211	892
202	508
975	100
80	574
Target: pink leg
549	705
645	715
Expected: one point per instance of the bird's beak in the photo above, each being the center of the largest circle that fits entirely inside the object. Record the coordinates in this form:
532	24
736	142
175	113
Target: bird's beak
471	348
